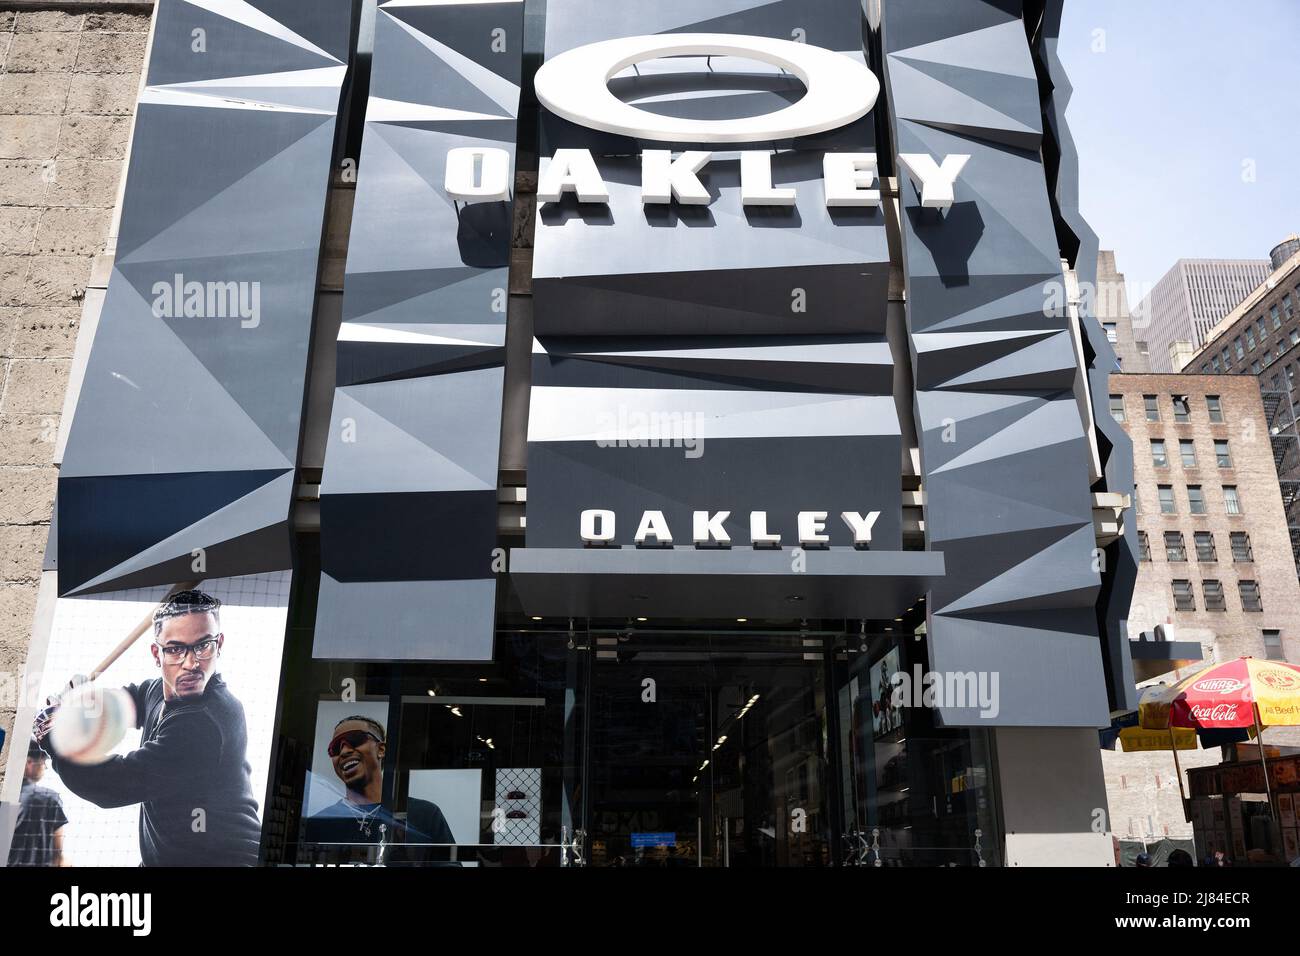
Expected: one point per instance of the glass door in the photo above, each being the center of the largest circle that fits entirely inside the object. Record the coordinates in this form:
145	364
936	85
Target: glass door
709	750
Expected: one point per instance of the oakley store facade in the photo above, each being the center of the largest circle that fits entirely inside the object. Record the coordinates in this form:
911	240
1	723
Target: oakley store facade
701	459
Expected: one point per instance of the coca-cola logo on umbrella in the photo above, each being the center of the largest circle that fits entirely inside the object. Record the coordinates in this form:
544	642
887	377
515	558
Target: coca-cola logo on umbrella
1215	714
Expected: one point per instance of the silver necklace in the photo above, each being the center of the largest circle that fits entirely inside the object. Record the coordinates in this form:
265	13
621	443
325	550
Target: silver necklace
363	819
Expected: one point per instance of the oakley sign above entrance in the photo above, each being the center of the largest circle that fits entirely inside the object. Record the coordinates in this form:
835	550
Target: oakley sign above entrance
574	85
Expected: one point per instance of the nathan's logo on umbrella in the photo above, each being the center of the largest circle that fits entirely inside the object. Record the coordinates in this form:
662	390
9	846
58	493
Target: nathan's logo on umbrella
1278	679
1218	685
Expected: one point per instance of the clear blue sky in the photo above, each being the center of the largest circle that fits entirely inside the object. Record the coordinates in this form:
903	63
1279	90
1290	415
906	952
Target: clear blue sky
1184	92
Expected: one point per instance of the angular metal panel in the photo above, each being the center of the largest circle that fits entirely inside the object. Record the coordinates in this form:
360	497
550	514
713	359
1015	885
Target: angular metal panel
186	431
1003	451
408	496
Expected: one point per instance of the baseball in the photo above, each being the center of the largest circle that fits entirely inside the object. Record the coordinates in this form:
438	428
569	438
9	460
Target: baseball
90	722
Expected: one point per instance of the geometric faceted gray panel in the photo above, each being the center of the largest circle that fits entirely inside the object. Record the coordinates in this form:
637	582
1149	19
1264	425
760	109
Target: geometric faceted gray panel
1079	245
185	435
412	455
1004	455
737	424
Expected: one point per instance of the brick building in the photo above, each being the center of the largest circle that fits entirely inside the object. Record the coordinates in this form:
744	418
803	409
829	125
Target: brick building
1216	565
68	84
1261	338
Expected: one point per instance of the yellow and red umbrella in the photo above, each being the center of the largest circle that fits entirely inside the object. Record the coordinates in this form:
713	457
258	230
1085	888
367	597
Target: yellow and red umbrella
1246	692
1238	694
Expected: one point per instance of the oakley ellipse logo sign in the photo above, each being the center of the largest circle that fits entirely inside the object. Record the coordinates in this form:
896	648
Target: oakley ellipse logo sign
575	86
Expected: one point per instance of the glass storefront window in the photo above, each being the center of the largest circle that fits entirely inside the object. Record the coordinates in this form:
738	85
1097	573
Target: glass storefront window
629	746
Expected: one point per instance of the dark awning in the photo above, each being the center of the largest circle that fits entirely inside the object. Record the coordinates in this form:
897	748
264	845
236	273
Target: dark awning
717	583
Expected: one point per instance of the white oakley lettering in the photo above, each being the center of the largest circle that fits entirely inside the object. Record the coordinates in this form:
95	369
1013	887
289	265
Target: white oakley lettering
934	180
492	182
571	171
663	177
756	181
707	527
597	526
653	523
848	177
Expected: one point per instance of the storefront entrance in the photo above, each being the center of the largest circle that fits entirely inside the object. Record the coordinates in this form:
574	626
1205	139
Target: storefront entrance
709	750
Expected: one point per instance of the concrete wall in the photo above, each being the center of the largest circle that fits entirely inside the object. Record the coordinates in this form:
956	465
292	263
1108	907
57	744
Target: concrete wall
69	74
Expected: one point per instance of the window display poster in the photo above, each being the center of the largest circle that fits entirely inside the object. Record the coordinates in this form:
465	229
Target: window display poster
162	760
362	767
457	797
886	704
345	815
517	813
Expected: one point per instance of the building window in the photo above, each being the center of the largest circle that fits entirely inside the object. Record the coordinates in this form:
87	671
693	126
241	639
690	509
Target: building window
1263	329
1205	546
1241	352
1250	600
1286	310
1184	598
1221	455
1144	547
1290	378
1187	451
1174	549
1273	645
1231	502
1158	456
1213	591
1214	364
1277	319
1153	409
1250	338
1295	336
1181	410
1255	367
1195	500
1111	335
1215	409
1227	359
1166	499
1277	383
1117	407
1240	546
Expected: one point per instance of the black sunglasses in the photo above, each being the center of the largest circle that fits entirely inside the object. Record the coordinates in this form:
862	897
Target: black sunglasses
353	738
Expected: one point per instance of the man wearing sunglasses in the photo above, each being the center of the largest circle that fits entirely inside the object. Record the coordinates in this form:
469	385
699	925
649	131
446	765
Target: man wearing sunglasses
356	752
190	774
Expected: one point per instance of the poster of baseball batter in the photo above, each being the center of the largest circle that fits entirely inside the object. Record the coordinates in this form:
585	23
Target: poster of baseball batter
155	740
